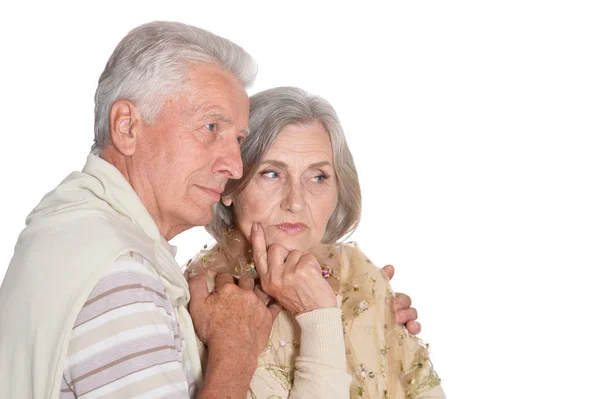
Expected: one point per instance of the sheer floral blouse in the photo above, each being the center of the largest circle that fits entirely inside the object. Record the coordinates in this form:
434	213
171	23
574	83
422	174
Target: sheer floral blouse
383	359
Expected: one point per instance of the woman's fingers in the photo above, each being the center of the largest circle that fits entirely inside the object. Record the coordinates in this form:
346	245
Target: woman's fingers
275	308
261	295
246	282
292	259
309	261
222	280
265	259
259	249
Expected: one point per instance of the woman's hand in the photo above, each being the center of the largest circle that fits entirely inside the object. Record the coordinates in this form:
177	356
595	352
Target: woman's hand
293	278
404	313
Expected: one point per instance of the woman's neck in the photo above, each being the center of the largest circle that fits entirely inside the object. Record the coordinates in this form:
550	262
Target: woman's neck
236	245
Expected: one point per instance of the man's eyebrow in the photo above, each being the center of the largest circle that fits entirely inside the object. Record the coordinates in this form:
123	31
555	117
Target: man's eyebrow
220	117
246	131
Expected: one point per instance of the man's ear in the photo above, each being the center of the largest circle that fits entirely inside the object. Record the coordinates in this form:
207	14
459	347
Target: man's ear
125	125
227	200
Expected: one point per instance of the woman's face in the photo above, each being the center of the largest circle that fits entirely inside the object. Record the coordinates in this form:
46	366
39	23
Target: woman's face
294	191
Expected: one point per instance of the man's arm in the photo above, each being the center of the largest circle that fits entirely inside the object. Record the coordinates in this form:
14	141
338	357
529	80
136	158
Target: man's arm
235	323
126	342
229	372
405	314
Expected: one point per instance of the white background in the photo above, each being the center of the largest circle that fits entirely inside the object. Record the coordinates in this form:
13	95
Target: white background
474	126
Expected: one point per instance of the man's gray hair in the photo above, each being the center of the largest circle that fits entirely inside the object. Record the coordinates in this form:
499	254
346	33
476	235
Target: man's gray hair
270	112
152	61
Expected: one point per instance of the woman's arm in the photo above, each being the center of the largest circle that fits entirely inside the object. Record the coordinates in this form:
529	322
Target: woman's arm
321	363
296	281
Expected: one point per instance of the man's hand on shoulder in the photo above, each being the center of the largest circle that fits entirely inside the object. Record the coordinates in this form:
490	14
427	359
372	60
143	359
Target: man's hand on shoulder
405	314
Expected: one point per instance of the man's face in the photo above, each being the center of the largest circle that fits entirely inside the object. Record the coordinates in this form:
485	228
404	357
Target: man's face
187	154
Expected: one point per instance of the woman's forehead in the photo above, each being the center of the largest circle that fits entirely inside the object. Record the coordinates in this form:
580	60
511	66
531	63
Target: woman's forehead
311	140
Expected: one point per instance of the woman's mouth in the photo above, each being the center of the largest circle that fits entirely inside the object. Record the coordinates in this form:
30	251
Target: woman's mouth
292	228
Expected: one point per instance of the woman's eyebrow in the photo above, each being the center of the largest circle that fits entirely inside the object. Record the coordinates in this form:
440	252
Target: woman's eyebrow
284	165
273	162
319	164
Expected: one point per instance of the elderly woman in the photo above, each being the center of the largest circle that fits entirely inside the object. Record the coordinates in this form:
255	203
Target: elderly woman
299	195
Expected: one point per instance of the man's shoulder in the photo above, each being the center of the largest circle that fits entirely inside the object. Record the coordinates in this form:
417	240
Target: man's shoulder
130	284
129	268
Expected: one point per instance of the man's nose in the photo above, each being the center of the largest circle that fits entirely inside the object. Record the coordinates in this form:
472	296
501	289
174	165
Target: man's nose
229	160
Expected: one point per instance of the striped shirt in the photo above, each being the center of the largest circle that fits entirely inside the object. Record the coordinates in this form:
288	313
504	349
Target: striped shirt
126	342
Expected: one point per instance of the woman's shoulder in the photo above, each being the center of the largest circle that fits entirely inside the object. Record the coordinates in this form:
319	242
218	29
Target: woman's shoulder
354	274
338	250
357	264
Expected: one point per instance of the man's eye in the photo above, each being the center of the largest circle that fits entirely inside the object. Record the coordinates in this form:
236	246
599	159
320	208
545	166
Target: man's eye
241	139
212	127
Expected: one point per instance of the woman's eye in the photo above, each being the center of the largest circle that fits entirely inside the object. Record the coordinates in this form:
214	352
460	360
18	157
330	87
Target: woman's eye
270	174
241	139
211	126
320	178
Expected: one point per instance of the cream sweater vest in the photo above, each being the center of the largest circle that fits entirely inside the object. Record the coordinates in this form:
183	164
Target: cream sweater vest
76	232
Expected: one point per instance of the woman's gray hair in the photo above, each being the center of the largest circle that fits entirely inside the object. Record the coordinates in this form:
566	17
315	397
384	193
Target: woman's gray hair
270	112
152	61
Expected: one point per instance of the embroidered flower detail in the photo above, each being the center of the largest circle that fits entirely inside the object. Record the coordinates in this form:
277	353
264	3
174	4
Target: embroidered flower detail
360	307
282	343
363	371
208	258
326	271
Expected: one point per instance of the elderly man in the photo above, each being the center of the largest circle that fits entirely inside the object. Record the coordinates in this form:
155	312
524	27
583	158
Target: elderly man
93	303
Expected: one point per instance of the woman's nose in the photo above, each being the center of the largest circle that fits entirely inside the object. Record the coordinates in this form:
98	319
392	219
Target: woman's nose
294	200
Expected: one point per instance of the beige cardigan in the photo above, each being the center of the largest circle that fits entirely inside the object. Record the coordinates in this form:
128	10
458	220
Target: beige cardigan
383	359
76	232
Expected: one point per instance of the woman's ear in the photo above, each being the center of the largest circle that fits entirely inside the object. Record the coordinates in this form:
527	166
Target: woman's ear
124	126
227	200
